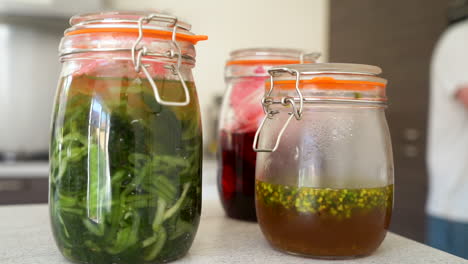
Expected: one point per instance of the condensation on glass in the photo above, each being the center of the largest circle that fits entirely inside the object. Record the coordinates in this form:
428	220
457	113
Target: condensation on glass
126	140
324	174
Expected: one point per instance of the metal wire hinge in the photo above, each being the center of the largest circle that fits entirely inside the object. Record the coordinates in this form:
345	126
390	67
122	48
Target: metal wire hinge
313	55
285	101
138	51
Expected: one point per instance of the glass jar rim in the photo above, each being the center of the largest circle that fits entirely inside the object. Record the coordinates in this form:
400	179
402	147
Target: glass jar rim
109	16
270	56
160	25
332	82
329	68
328	72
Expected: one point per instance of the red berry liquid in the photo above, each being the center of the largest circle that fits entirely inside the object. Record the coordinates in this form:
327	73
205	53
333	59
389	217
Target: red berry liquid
236	174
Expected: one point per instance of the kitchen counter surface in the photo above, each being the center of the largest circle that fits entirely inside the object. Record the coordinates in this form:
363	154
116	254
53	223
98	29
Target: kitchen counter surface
26	238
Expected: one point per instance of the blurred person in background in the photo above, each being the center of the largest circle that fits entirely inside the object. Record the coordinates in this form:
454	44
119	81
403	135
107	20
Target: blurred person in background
447	206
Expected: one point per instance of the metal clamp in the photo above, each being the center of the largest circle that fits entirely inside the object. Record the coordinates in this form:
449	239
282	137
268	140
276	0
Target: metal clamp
139	51
285	101
314	55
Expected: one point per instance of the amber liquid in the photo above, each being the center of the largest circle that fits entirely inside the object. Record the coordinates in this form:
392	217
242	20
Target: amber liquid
236	175
321	234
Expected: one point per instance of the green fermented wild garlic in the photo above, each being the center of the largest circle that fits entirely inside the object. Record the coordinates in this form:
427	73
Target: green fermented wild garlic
125	179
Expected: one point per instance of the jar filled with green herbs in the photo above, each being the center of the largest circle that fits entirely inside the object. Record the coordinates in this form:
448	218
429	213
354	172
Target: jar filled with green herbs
324	173
126	140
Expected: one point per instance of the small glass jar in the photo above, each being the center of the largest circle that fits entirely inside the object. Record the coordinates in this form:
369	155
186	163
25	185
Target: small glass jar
324	174
126	140
245	75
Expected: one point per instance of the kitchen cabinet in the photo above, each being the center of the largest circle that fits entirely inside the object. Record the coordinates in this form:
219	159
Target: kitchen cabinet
23	190
24	183
398	36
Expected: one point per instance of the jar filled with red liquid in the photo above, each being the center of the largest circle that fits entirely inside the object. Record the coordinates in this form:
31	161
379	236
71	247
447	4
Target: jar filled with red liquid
324	174
245	73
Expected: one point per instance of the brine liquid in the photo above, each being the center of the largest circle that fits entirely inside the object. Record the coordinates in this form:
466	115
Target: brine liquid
330	223
236	175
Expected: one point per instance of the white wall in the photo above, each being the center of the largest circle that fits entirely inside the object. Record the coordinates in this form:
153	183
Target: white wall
234	24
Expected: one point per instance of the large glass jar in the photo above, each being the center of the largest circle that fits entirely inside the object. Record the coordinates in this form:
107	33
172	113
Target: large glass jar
324	175
245	75
126	143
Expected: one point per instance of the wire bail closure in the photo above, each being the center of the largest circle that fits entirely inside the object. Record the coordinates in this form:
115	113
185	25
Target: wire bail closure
139	51
267	100
314	55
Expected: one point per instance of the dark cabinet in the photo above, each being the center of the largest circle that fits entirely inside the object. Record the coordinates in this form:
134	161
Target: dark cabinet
23	190
398	36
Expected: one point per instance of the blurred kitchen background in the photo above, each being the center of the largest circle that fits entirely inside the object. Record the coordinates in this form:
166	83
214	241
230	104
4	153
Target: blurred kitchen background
398	35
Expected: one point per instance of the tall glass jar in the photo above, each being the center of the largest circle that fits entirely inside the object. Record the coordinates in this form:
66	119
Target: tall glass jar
126	142
324	175
245	75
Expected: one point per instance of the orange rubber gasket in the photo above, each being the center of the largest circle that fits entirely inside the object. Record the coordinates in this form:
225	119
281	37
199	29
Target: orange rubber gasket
267	62
147	32
328	83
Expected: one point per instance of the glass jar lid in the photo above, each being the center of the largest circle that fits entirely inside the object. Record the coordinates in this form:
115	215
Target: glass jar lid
153	24
327	82
271	56
350	68
256	61
292	86
135	36
160	35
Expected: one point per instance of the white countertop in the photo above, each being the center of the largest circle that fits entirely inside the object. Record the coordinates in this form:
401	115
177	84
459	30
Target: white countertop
25	238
